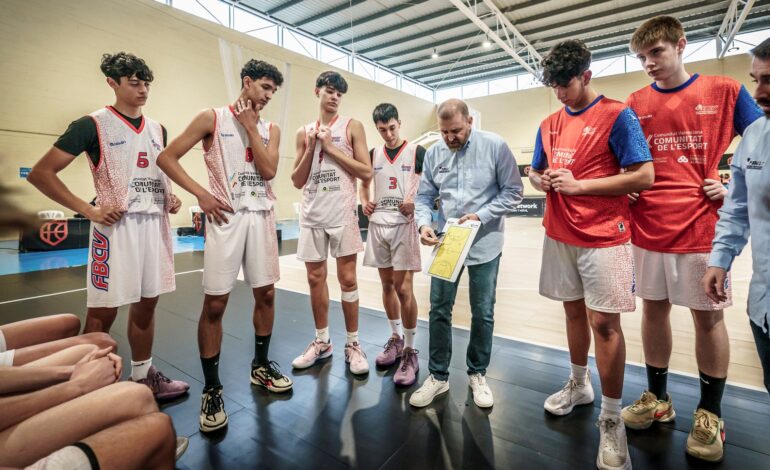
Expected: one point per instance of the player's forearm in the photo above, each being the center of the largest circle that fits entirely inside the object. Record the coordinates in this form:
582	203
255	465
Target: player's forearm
170	165
266	165
302	170
535	179
618	185
364	194
48	183
25	405
356	168
28	378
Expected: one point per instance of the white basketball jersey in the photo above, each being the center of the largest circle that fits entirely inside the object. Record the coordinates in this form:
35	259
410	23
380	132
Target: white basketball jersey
126	176
329	196
394	182
233	177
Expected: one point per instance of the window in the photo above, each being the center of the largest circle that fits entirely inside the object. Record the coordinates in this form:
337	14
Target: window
475	90
408	86
633	64
299	43
387	78
334	57
212	10
255	26
527	80
447	93
363	69
700	51
424	93
612	66
502	85
745	42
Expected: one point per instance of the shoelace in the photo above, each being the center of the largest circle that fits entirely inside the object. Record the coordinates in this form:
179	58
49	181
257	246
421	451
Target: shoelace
569	388
481	384
643	401
272	369
213	403
315	345
407	358
610	441
154	380
704	428
355	348
390	344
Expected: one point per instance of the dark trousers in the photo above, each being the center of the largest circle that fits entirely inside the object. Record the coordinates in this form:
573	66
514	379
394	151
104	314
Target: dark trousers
483	282
762	341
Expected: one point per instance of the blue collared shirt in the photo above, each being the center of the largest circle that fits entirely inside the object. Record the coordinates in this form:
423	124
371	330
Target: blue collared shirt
747	210
481	178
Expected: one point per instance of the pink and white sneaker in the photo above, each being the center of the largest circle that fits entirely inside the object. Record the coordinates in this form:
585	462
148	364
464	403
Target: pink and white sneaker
393	349
406	374
162	387
315	351
356	357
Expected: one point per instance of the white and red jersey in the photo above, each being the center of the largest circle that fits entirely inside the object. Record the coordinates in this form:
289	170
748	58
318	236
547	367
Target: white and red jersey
126	176
233	176
395	182
329	195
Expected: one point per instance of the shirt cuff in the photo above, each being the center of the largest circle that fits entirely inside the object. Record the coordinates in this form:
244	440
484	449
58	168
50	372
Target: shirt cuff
484	216
721	259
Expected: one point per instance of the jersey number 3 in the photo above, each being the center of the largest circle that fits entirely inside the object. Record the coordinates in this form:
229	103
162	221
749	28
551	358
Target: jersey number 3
393	183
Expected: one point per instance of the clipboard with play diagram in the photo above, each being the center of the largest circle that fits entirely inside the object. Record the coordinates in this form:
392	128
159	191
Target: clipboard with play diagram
446	260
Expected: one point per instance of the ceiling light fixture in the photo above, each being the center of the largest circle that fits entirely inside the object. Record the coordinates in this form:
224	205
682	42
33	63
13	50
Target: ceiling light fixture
487	43
435	53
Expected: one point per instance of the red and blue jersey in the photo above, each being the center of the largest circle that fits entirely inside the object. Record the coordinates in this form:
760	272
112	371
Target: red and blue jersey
688	129
595	142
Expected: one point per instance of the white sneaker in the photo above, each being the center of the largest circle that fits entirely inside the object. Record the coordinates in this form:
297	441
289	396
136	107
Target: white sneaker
356	357
613	447
429	390
572	395
482	394
315	351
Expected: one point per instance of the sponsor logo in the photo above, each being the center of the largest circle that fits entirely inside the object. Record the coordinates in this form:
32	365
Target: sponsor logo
156	145
100	256
621	227
646	116
406	168
703	109
588	130
54	232
377	168
222	134
649	140
443	169
336	139
115	144
683	159
754	164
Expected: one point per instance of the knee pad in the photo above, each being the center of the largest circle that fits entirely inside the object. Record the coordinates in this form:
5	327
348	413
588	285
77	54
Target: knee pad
351	296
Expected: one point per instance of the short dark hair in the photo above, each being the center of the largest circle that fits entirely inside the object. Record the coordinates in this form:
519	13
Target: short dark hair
256	69
565	61
332	79
762	51
124	64
384	112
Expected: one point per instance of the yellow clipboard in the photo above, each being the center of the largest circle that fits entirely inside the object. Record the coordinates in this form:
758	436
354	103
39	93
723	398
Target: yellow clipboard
446	260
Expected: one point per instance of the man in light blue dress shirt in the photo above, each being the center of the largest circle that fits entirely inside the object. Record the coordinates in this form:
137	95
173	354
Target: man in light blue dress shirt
475	177
748	205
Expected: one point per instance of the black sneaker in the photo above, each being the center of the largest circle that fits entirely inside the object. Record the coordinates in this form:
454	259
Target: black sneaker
269	376
213	415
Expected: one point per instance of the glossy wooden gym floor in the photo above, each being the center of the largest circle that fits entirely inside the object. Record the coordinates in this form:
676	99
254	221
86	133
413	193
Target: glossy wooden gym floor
334	420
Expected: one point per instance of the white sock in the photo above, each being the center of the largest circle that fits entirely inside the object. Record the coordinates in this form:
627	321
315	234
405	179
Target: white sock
409	334
610	407
352	337
140	369
579	373
395	327
322	334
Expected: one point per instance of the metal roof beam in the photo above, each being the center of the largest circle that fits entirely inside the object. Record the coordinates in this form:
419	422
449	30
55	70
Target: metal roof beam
513	42
330	11
283	6
373	17
405	24
734	18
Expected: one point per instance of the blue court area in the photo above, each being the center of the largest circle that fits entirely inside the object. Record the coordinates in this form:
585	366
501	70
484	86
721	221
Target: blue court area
14	262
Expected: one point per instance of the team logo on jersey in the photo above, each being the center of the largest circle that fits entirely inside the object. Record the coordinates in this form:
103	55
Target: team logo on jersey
649	140
115	144
703	109
683	159
588	130
754	164
621	227
100	255
54	232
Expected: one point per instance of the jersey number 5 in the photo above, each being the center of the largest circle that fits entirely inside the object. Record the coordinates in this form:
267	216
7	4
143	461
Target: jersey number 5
393	183
142	161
